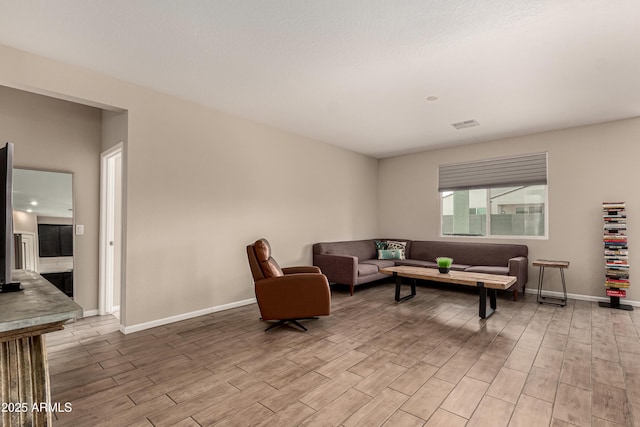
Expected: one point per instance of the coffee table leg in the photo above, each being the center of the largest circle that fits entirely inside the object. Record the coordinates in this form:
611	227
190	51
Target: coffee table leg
399	284
483	312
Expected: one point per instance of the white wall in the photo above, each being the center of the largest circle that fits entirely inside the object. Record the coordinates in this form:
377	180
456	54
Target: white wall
587	165
201	184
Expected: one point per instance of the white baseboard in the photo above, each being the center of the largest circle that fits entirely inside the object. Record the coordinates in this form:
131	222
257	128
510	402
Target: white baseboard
89	313
580	297
177	318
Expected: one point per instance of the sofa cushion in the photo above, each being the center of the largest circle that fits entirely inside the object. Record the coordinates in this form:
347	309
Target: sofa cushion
459	267
362	249
417	263
381	263
470	253
367	269
488	269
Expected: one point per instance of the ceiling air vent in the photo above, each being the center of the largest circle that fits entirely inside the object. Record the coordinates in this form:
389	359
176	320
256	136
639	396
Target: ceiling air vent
465	124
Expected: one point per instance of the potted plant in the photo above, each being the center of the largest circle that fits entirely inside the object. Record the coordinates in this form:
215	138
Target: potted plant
444	264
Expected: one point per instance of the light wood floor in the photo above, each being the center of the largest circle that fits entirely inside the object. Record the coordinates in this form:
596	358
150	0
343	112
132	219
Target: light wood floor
428	361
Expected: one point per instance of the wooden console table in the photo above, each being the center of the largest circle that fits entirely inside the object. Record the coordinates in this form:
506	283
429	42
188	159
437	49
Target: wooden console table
487	284
25	317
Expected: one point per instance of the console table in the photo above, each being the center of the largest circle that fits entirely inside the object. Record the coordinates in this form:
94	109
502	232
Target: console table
25	317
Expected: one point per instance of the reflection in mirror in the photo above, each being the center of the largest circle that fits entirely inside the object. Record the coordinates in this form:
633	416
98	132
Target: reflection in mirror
43	225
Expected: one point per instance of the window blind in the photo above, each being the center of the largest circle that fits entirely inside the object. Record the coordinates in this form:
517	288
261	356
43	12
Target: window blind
530	169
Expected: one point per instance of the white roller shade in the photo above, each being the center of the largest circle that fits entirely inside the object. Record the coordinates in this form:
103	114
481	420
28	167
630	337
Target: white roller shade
530	169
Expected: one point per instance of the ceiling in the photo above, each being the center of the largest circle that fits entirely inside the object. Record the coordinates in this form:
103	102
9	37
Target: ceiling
43	193
358	73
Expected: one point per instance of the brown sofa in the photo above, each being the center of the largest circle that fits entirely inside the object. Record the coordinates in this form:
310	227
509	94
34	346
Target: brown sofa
355	262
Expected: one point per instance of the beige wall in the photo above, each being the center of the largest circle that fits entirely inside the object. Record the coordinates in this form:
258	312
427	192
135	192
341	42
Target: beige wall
201	184
587	165
25	222
55	135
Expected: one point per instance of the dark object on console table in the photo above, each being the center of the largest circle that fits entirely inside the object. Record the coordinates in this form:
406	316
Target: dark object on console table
356	262
24	319
62	280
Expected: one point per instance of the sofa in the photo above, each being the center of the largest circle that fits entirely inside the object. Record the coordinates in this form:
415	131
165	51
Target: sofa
356	262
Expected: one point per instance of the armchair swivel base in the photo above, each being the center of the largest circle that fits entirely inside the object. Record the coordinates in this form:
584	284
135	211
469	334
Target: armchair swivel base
292	321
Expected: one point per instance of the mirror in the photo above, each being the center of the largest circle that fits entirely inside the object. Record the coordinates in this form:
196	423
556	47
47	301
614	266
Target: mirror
43	225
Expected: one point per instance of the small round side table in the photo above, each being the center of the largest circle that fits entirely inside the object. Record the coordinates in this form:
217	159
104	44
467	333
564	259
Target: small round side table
546	263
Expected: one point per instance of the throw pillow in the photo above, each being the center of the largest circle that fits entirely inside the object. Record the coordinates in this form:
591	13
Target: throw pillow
381	244
391	254
391	244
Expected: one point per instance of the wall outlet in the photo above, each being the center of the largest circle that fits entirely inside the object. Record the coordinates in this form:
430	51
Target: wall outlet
79	229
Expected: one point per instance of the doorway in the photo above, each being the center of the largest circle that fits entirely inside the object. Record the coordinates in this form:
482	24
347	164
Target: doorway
25	251
111	283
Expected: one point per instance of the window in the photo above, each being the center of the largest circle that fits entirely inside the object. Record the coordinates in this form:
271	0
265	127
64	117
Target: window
496	209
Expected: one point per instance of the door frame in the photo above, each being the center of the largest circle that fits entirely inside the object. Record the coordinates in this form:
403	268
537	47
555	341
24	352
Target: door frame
107	222
29	249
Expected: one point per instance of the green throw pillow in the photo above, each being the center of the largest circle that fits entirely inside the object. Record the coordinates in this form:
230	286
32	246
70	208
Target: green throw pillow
391	254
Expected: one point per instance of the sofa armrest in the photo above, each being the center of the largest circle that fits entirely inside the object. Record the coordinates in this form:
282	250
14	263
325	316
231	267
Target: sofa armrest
301	269
341	269
294	296
519	267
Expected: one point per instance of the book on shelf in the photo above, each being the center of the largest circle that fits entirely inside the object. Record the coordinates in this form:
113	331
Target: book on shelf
614	205
616	284
619	252
617	271
616	293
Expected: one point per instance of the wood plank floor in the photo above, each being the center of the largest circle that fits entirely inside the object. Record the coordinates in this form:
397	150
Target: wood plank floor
428	361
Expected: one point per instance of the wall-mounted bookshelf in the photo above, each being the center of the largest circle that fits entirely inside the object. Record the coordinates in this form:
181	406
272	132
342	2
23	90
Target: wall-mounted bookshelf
616	254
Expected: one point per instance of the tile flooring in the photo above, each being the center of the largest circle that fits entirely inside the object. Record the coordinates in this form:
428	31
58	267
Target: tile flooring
430	361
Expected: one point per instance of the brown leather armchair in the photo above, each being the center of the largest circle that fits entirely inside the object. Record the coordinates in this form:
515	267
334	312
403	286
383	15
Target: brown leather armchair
287	294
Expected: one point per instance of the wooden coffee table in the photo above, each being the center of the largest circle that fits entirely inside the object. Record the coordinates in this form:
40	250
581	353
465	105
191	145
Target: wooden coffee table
487	284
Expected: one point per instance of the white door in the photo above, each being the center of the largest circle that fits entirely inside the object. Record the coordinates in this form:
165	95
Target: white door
111	231
28	251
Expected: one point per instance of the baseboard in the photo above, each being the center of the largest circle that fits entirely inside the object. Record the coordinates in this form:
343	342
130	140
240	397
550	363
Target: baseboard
177	318
580	297
89	313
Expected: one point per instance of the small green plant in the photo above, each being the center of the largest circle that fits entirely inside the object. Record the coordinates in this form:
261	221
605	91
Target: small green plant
444	262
